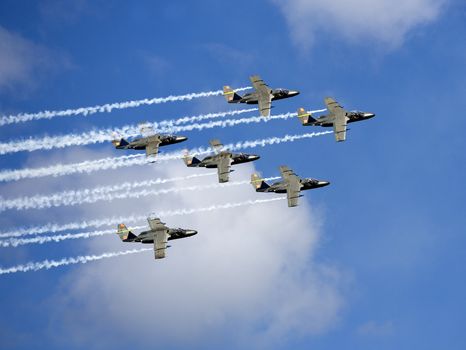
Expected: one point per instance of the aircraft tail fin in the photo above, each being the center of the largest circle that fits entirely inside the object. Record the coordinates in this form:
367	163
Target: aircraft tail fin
258	183
120	143
305	117
190	161
230	95
125	234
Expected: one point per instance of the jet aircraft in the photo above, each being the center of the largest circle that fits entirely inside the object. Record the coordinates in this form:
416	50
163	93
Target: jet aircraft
222	160
337	118
291	184
150	142
263	95
158	234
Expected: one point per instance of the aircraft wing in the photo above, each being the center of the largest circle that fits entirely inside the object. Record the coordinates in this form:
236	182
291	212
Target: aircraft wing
156	225
339	127
152	148
339	118
287	172
223	169
264	95
333	107
216	145
292	197
265	105
160	244
293	185
160	236
293	190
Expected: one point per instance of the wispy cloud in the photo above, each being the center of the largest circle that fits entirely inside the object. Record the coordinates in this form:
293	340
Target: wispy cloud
20	60
384	22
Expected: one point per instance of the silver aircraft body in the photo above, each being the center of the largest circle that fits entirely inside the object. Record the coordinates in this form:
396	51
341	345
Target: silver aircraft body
337	117
263	95
150	142
291	184
222	159
158	234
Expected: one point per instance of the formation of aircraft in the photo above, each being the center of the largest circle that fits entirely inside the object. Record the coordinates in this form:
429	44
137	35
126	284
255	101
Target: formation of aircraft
291	184
159	235
222	160
263	95
337	118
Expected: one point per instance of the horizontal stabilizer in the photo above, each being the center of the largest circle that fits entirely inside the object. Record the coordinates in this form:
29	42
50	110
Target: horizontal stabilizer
258	183
120	143
125	234
305	117
190	161
230	95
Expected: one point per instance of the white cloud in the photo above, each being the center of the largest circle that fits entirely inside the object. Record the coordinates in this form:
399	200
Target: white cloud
385	22
20	59
248	276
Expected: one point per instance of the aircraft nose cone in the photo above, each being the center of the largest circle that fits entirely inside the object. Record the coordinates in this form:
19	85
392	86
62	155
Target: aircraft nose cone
253	157
323	183
181	138
293	92
191	232
369	115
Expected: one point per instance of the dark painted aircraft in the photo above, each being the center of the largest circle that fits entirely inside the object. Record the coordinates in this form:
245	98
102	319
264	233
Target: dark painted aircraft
337	118
159	235
222	160
150	142
263	95
291	184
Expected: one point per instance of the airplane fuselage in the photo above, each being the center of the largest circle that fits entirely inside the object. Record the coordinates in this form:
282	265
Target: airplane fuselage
252	98
237	158
173	233
306	184
141	143
351	117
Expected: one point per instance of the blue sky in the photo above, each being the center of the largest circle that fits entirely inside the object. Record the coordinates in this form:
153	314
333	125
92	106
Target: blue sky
387	234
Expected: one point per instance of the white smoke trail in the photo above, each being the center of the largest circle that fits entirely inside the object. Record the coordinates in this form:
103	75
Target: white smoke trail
106	135
82	259
14	242
86	167
100	136
69	198
139	159
91	193
85	111
82	225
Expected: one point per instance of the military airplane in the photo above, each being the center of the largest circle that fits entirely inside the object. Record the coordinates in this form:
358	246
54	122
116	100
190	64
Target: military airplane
337	118
291	184
159	235
150	142
263	95
222	160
